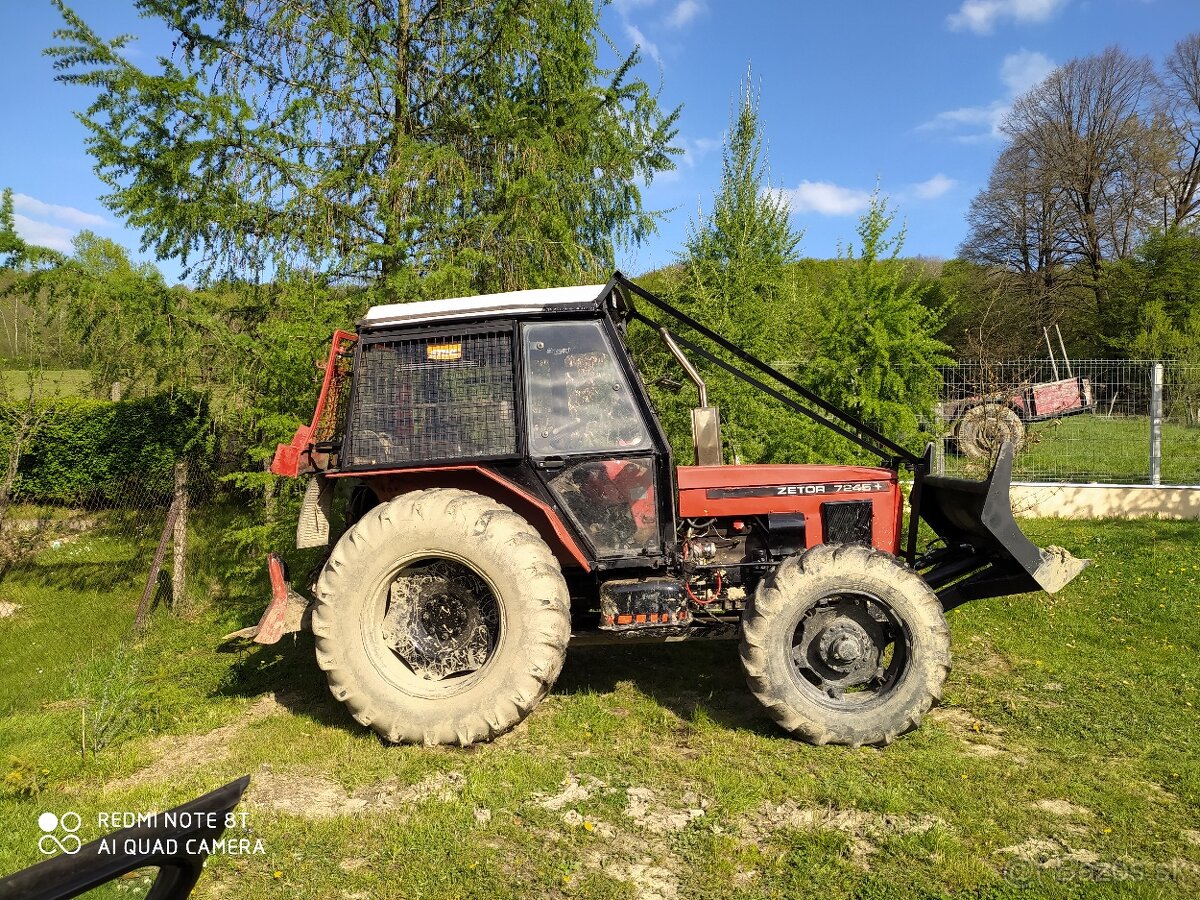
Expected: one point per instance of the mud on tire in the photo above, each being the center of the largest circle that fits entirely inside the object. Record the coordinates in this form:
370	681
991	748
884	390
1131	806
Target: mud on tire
519	621
853	594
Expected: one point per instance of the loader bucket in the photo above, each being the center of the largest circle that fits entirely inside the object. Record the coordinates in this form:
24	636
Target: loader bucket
986	554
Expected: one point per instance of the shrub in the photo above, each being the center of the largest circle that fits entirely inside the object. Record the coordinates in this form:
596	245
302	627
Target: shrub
98	453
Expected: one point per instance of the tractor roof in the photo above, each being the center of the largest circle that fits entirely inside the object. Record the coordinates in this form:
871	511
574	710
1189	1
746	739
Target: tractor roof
485	306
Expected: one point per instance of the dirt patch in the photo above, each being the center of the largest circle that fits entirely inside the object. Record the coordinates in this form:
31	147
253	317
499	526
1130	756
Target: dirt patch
1044	853
8	610
979	737
175	754
642	861
1062	808
575	789
1192	837
983	658
652	882
314	796
983	751
650	812
863	828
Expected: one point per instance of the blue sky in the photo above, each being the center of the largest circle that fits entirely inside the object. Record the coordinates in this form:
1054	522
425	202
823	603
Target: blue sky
906	94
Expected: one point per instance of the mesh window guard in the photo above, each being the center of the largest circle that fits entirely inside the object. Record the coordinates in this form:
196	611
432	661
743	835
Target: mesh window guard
432	398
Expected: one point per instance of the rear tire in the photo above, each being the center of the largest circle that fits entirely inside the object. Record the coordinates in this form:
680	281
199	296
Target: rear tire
844	644
984	428
482	610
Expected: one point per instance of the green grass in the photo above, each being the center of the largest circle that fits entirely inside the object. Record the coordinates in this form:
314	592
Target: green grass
48	384
1088	697
1089	448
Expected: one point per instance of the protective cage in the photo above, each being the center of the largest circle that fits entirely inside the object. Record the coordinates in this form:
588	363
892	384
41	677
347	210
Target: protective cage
432	397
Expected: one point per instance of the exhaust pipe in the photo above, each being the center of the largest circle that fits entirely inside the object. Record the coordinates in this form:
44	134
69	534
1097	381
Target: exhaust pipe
706	420
985	554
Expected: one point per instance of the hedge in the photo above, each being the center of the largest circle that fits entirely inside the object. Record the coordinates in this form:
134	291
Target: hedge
95	452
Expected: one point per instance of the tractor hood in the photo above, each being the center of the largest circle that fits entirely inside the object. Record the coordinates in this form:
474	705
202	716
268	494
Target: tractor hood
742	490
795	490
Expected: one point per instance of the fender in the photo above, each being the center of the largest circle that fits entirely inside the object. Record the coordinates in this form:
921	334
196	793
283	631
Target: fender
390	483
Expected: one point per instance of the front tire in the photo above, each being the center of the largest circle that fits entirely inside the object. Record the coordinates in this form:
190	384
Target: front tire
441	617
844	644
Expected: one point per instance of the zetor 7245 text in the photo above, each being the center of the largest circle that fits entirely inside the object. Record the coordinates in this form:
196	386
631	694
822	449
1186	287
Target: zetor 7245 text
508	489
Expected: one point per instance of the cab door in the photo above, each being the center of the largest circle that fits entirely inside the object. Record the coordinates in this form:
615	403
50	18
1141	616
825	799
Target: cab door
588	436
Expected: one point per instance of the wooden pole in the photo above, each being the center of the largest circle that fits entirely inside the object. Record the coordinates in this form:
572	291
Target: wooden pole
179	601
143	609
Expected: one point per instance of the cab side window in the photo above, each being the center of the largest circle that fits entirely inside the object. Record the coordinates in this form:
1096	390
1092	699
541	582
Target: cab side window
577	400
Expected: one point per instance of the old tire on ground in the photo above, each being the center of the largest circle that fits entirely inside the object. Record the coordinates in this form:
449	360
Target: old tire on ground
441	617
844	644
983	428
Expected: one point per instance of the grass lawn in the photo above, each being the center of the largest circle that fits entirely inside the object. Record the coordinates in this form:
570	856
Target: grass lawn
1064	762
1089	448
50	383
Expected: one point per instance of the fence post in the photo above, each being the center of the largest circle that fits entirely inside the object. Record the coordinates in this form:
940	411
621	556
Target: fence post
1156	407
179	541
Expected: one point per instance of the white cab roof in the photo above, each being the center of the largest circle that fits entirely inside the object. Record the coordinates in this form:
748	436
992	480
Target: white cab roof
513	303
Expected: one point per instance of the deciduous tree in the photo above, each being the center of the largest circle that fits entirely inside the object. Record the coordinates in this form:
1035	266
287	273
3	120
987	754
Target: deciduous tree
1181	81
1087	136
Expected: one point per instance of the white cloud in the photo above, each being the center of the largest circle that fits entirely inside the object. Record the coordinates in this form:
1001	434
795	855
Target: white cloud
635	34
823	197
1019	72
683	12
933	188
971	123
700	147
625	6
68	214
694	151
1022	70
42	234
980	16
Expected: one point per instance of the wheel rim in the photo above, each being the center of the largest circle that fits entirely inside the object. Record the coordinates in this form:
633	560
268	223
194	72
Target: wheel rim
850	649
435	626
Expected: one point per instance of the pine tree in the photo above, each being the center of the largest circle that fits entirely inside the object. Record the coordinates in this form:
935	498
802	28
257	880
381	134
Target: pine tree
878	351
738	279
737	259
420	146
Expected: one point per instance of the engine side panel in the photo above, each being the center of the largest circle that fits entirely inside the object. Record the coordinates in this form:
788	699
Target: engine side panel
732	491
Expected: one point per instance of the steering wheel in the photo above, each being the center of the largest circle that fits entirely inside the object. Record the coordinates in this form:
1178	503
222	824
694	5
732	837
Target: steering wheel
556	437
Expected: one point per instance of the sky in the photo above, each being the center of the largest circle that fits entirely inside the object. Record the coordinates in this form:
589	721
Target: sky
906	96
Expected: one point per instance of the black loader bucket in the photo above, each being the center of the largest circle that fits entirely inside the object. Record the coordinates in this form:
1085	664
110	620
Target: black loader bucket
985	554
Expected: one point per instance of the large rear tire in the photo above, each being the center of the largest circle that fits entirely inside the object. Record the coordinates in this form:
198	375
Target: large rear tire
441	617
984	428
845	645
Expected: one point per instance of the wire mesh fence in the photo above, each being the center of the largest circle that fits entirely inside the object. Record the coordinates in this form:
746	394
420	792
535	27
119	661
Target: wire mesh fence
1089	421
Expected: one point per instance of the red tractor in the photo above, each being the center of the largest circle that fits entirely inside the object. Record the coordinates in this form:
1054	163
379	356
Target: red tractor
513	491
